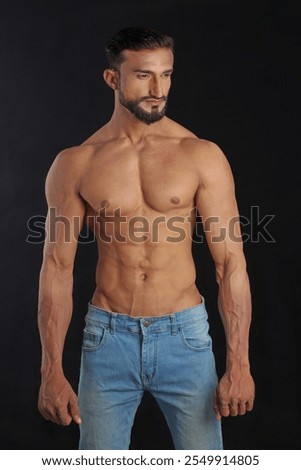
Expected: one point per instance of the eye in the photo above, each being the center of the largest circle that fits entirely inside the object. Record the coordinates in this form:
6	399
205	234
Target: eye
167	75
143	75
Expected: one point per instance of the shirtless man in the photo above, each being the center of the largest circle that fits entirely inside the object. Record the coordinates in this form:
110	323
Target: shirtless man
136	183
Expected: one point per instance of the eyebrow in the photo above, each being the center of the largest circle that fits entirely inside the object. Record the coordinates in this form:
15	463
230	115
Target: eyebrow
150	71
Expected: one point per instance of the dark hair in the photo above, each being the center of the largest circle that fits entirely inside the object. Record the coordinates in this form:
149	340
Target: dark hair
134	39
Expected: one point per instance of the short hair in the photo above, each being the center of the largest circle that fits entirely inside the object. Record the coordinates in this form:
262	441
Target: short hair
134	39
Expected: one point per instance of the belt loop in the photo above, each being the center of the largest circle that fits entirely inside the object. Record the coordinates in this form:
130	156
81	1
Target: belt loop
173	322
112	322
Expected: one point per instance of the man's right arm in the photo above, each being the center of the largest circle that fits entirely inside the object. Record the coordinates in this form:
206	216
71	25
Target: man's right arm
66	209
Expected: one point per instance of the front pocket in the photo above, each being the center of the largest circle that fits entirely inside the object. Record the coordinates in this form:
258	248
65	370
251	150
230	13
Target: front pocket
94	337
195	336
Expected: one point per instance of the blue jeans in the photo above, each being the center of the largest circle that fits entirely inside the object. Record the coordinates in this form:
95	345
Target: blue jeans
170	356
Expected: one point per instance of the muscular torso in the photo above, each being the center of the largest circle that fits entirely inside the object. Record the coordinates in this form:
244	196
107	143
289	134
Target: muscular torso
140	202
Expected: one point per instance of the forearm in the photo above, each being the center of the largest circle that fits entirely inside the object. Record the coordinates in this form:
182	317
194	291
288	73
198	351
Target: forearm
234	302
57	400
54	314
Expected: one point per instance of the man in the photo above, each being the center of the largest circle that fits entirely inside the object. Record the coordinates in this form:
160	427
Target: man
136	183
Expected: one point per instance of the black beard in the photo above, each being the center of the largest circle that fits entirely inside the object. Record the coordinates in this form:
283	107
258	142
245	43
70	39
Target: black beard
141	114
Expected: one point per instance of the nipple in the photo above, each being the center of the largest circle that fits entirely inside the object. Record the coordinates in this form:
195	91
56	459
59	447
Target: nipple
175	200
104	204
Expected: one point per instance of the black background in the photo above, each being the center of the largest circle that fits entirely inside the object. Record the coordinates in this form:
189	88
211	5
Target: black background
235	83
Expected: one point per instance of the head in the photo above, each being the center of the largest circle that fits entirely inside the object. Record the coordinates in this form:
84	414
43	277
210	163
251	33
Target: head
139	71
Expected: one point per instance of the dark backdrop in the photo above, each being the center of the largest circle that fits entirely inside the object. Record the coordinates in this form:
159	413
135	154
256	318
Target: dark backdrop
234	84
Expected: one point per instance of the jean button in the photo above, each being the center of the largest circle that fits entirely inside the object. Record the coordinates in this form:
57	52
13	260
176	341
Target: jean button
147	323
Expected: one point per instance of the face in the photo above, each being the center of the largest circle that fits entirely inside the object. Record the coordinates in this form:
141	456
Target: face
144	81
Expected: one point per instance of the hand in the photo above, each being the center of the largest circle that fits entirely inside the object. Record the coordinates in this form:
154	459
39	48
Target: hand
234	395
57	401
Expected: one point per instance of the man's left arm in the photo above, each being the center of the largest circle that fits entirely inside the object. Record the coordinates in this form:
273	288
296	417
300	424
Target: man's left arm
217	207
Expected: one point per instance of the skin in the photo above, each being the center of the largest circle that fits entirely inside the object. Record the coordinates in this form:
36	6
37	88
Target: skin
145	174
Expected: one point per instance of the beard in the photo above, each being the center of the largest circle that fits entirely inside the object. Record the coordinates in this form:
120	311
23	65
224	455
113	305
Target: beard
140	113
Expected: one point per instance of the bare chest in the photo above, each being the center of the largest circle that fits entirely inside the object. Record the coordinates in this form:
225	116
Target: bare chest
163	180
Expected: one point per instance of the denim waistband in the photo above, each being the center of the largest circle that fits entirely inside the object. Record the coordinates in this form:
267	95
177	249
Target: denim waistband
171	321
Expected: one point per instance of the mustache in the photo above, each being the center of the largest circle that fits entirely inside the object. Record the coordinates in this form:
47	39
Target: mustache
151	97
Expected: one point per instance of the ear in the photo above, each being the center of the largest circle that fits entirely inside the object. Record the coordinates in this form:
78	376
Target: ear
111	78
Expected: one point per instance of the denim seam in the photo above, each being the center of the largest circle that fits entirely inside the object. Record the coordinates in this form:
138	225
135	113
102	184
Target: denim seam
192	348
97	322
100	344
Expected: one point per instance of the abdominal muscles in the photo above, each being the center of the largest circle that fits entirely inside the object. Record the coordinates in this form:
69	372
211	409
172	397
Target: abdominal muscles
145	279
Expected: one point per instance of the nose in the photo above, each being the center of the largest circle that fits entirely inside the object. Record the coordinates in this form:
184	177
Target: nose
156	88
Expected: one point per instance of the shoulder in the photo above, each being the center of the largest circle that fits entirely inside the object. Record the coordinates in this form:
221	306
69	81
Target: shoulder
198	148
67	168
211	165
72	156
77	157
203	150
208	157
72	159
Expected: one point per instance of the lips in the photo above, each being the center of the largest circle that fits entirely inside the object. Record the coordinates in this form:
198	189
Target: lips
154	101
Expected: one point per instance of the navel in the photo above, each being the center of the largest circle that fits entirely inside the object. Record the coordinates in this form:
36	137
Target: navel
175	200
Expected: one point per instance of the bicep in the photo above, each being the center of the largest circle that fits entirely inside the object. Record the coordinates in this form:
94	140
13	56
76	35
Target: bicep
65	216
217	206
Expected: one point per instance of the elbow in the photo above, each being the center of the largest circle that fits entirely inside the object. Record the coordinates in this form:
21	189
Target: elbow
56	283
232	264
54	274
57	264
